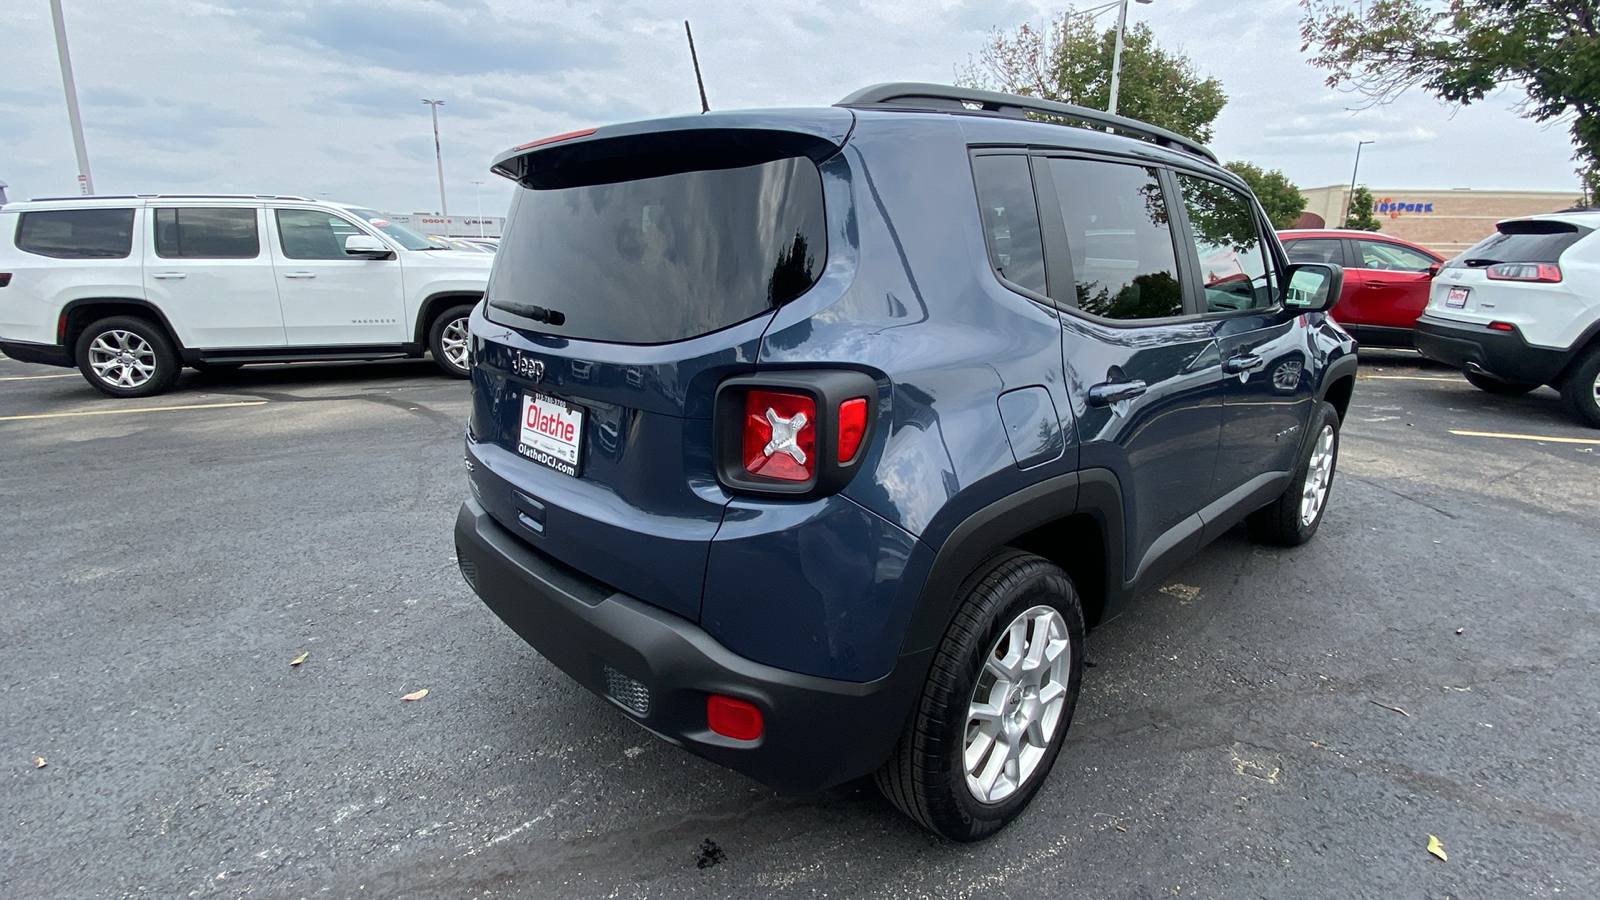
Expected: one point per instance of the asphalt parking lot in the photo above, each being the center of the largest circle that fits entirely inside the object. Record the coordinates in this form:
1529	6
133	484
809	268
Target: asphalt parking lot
1270	724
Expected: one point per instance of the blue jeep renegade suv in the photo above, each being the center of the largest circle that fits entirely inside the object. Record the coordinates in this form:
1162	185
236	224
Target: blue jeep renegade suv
813	439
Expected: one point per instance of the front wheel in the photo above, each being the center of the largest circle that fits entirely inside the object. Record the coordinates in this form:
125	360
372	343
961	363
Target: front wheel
125	356
995	708
450	341
1292	519
1581	388
1495	386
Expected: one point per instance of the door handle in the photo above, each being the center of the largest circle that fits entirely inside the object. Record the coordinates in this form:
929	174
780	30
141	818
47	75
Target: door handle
1246	363
166	275
299	274
1110	392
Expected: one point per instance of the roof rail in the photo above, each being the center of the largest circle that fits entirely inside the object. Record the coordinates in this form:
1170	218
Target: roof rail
177	197
970	101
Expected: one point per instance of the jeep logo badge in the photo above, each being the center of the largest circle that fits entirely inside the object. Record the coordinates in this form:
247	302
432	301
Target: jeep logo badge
527	367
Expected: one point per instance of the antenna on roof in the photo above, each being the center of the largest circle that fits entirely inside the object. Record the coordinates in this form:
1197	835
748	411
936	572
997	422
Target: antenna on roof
704	106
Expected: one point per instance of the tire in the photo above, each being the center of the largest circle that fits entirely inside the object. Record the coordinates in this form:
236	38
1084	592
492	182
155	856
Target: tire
124	356
449	341
1292	519
1495	386
1581	387
1012	597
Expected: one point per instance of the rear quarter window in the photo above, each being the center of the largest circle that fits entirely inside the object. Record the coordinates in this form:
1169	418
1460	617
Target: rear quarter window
99	233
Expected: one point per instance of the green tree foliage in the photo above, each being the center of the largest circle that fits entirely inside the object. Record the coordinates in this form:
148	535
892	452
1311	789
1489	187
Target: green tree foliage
1280	198
1361	215
1460	50
1069	60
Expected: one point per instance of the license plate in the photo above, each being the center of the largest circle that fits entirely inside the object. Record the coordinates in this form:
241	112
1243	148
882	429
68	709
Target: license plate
552	432
1456	298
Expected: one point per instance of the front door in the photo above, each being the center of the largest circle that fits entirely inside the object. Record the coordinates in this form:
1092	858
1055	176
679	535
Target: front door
1392	283
330	298
212	277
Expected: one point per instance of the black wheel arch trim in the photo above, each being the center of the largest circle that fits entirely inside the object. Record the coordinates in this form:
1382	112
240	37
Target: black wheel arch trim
70	306
437	303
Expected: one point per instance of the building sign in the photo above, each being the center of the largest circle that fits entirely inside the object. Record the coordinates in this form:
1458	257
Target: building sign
454	226
1394	208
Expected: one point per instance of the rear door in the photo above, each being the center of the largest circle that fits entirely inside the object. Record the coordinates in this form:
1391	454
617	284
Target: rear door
616	305
1133	347
329	297
209	271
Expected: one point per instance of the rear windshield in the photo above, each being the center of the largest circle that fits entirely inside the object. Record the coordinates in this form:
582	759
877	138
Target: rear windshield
1534	241
96	233
662	259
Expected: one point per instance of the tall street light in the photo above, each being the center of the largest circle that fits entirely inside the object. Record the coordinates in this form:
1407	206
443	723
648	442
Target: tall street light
438	157
1116	55
85	183
1350	197
477	187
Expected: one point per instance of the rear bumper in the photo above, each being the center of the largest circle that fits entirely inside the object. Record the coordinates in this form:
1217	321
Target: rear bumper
1502	354
47	354
818	731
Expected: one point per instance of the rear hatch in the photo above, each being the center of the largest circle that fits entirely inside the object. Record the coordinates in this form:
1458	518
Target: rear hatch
1513	275
639	267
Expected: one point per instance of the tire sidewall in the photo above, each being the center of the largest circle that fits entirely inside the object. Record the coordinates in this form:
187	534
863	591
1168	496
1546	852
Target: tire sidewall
436	335
166	358
1579	388
1045	586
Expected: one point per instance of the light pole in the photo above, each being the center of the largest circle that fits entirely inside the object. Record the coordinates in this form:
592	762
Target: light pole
438	157
1116	55
1350	197
477	187
85	183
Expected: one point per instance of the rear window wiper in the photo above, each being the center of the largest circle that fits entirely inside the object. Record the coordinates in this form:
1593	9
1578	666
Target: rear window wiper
529	311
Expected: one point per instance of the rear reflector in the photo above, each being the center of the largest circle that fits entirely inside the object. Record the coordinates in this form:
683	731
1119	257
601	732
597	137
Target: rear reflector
780	435
5	278
733	718
556	139
1502	326
1542	273
852	425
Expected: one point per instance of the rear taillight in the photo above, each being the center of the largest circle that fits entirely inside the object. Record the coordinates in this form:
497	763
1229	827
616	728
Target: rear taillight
5	279
793	433
1542	273
780	435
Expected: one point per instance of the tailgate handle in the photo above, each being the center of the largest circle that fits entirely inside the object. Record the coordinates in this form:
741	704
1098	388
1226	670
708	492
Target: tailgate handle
530	512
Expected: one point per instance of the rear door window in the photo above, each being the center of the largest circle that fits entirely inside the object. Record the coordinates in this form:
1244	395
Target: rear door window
1227	239
1328	251
662	259
1120	239
1010	220
206	233
99	233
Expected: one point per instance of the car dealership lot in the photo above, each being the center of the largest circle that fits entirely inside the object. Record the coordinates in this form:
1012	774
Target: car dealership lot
1240	733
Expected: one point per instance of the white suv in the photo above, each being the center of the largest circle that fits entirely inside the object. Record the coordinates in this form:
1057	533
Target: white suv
1522	308
131	289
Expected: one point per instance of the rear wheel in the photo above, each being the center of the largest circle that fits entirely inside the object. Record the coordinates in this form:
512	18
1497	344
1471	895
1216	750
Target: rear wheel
1581	387
125	356
1292	519
450	341
1495	386
995	708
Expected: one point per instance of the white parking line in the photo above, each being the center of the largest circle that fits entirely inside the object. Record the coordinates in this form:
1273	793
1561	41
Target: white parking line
142	409
1403	378
1526	437
35	377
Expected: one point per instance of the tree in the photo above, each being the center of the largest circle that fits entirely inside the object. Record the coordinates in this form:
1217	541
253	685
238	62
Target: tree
1460	50
1069	60
1280	198
1361	215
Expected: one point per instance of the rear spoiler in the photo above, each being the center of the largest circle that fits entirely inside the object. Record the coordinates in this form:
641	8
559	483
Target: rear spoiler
667	146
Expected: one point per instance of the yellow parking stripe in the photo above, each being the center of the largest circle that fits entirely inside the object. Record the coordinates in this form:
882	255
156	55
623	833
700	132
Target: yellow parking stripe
142	409
1526	437
36	377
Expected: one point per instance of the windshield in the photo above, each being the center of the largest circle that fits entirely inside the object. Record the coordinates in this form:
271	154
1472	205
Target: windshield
402	235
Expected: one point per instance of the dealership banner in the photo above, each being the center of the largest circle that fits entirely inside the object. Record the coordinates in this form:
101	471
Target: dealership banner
454	226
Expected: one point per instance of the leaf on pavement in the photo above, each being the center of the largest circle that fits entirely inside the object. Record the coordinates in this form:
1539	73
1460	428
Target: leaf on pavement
1184	592
416	695
39	763
1436	848
300	659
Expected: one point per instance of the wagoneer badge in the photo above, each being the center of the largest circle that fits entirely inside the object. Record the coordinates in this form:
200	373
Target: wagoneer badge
527	367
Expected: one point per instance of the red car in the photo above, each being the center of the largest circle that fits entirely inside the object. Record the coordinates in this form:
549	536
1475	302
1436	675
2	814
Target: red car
1386	280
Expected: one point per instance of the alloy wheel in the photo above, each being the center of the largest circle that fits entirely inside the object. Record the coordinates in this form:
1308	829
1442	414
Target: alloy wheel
1319	474
122	359
1017	704
454	341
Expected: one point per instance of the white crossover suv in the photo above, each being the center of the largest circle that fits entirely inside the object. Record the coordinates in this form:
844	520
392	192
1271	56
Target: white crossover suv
1522	308
131	289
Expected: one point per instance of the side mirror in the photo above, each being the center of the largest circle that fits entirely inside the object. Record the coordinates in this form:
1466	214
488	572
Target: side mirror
365	245
1313	287
1433	270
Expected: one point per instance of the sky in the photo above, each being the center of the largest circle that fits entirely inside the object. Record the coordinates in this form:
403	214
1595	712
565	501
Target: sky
324	98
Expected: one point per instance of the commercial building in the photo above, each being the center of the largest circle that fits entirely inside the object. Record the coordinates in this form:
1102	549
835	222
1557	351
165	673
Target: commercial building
1446	222
453	226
